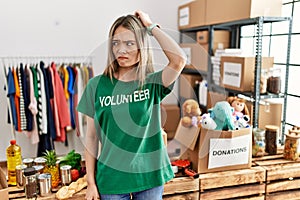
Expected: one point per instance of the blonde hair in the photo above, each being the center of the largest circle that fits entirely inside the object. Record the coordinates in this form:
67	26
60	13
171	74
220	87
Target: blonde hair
145	65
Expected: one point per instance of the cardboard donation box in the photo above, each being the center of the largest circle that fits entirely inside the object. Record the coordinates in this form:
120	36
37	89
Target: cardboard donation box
3	185
197	56
191	14
214	150
187	83
224	150
237	72
221	39
229	10
170	118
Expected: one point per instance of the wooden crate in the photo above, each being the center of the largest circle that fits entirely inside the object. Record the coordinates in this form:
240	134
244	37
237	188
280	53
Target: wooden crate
183	196
234	184
181	185
282	177
16	193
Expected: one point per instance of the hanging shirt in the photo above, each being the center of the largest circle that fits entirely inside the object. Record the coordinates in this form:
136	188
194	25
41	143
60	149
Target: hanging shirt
36	86
42	96
133	155
11	91
26	94
17	100
62	106
71	91
49	95
53	102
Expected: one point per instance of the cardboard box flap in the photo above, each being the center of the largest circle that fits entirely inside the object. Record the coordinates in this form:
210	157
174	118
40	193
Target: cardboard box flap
187	136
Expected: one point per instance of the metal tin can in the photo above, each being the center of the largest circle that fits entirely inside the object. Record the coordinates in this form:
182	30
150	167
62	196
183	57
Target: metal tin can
40	161
65	174
44	184
19	175
28	162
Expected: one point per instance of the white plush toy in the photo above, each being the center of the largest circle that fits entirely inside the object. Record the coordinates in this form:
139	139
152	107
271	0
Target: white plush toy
242	122
207	122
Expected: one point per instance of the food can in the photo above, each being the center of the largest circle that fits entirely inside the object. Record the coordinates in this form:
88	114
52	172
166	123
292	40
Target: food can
44	184
28	162
65	174
40	161
19	175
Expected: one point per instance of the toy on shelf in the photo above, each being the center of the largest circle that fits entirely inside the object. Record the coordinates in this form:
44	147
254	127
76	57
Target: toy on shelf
191	113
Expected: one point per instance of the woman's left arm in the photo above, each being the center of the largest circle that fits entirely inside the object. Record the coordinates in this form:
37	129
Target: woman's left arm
174	53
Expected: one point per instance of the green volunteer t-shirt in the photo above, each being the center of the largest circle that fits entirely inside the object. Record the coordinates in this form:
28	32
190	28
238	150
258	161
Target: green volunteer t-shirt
127	119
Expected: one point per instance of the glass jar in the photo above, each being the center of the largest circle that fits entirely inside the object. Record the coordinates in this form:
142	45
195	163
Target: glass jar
259	143
30	183
271	139
292	145
274	81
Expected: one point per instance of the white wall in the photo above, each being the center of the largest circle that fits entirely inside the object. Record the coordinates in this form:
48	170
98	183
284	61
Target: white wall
67	28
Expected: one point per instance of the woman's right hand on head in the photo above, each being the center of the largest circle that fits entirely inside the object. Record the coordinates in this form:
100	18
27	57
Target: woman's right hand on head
92	192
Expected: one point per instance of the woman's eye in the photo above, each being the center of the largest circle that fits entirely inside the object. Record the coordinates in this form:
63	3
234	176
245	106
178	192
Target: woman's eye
114	43
130	43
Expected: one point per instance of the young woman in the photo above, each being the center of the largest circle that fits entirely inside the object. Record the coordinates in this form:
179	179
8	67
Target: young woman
123	112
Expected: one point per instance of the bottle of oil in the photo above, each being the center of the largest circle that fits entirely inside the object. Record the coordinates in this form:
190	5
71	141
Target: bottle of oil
14	158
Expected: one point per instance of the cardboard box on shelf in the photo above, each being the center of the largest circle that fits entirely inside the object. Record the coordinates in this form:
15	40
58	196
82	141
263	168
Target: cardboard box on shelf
221	39
270	113
197	56
214	97
192	14
229	10
237	72
187	83
219	36
214	150
170	118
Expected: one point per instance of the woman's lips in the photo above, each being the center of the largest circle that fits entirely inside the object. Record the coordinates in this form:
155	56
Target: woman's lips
122	58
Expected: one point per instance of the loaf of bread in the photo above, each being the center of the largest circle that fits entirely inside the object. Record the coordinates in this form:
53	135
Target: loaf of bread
67	192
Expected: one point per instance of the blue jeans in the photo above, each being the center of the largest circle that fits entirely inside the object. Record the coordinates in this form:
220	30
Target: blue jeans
150	194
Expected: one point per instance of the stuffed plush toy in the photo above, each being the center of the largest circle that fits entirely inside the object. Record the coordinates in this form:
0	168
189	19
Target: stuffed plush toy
221	113
241	112
191	113
207	122
242	122
239	105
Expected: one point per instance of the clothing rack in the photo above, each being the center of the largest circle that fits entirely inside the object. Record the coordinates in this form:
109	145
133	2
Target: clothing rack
8	60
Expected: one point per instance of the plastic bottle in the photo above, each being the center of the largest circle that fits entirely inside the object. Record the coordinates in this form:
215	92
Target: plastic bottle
14	158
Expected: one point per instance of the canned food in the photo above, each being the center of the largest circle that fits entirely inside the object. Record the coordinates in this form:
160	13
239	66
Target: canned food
39	168
40	161
44	184
65	174
19	175
28	162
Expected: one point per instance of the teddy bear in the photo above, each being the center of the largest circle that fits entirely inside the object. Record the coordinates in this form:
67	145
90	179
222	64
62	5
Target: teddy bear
191	113
221	113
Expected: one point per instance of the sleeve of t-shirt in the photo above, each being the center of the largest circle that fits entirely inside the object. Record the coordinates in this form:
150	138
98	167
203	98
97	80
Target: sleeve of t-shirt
161	90
86	104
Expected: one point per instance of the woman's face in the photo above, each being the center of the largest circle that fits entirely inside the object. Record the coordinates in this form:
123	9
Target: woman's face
124	47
